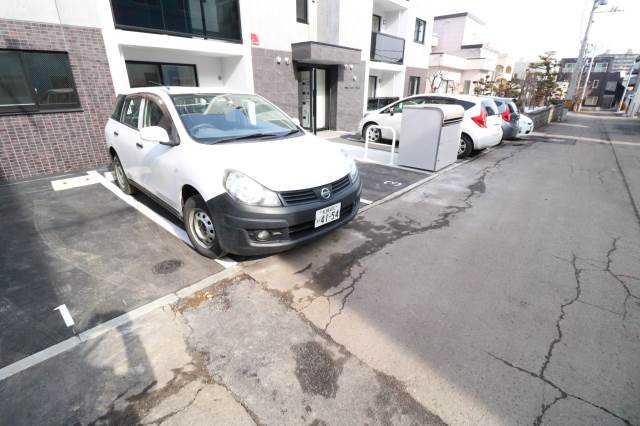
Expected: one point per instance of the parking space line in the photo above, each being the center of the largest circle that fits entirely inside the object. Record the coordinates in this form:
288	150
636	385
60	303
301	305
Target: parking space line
165	224
431	177
364	201
99	330
72	182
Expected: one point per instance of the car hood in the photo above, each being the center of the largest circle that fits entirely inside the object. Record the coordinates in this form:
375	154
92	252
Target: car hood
284	164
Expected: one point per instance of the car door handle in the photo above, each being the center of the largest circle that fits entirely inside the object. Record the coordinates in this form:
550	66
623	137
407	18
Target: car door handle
139	145
115	133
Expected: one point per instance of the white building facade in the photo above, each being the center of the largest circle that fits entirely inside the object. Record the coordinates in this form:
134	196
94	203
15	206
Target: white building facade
461	55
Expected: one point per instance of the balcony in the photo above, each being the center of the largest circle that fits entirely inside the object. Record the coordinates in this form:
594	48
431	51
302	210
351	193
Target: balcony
216	19
387	48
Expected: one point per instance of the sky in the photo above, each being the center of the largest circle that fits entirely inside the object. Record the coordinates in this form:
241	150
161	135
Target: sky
527	28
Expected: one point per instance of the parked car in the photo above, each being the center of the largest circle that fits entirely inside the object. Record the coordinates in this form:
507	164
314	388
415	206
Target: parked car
510	116
241	174
481	126
525	125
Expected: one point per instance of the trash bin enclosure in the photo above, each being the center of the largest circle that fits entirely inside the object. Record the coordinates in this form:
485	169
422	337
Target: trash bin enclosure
430	136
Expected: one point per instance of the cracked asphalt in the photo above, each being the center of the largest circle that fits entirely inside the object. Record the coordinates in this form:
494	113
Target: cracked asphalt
505	291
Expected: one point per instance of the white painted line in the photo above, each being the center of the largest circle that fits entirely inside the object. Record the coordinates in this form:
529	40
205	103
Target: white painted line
110	176
92	333
365	201
66	315
165	224
72	182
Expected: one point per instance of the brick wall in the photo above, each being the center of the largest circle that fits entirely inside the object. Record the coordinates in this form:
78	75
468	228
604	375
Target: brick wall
51	143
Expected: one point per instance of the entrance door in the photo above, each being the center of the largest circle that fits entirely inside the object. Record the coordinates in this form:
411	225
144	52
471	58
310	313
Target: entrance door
321	99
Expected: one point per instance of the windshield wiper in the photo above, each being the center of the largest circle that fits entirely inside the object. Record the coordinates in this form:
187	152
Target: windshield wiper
257	136
250	136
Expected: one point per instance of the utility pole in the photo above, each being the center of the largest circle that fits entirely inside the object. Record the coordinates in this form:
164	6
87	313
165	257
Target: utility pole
586	82
626	86
571	92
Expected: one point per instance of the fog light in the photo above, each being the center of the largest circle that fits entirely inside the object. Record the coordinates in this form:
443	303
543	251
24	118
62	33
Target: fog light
263	235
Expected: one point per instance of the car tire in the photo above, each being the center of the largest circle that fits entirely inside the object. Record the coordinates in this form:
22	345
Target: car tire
466	146
121	177
376	135
201	228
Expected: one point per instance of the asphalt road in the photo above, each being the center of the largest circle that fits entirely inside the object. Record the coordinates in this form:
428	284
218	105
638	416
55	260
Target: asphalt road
505	291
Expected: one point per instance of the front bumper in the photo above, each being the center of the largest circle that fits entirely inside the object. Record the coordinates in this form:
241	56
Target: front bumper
237	223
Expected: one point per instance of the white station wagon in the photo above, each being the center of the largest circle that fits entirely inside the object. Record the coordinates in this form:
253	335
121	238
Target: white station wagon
242	175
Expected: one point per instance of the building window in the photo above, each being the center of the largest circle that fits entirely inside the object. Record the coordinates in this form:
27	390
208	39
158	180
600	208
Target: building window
32	81
218	19
302	12
373	86
421	25
376	21
591	101
569	66
144	74
467	87
414	85
600	67
611	86
594	84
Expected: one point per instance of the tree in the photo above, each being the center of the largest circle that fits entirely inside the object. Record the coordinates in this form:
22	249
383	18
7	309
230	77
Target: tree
546	70
435	80
484	86
506	88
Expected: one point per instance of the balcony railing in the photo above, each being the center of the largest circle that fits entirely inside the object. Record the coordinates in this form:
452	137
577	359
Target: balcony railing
387	48
219	19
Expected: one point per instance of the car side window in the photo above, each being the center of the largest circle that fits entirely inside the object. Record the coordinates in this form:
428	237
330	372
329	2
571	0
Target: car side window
117	109
154	116
132	112
397	109
489	108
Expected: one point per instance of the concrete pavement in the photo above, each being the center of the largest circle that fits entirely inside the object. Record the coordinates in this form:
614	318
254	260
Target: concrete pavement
506	291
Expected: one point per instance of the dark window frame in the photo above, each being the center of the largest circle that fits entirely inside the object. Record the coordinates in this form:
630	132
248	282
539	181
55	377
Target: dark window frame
416	37
159	65
36	107
305	19
376	30
122	114
412	79
178	33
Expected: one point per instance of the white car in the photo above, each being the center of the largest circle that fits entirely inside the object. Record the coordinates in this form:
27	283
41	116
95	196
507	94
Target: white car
481	126
525	125
239	172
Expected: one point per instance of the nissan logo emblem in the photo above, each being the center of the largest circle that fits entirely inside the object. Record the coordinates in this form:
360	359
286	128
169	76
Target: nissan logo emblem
325	193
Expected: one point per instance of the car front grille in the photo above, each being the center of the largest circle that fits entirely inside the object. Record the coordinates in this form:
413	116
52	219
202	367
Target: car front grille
313	194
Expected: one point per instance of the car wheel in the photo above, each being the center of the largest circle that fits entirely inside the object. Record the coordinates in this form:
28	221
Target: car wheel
200	227
466	146
121	177
374	134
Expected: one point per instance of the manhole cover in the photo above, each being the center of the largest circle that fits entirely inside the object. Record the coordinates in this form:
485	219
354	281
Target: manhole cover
167	266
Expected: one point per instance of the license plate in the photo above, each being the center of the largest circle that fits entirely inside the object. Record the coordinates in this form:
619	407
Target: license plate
328	214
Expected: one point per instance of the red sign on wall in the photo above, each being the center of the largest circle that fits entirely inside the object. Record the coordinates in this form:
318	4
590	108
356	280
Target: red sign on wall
255	40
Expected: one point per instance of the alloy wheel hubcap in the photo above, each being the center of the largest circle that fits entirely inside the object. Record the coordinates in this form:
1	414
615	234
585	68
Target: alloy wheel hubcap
463	146
374	135
202	228
120	174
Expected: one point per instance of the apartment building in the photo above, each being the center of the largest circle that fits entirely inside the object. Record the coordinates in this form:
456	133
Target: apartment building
603	85
337	57
62	61
462	54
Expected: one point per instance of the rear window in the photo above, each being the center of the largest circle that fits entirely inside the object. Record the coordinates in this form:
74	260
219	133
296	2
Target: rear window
117	110
490	107
502	107
464	104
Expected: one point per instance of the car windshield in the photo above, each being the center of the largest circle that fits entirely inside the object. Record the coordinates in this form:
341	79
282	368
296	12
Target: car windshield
214	118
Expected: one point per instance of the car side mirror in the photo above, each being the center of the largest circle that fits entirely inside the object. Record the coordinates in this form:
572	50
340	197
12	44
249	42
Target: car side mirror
391	112
156	134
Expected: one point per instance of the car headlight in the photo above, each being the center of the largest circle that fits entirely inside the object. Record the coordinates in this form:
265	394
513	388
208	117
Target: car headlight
353	168
248	191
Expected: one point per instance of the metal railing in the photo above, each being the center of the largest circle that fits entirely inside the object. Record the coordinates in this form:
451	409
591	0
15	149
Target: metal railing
393	141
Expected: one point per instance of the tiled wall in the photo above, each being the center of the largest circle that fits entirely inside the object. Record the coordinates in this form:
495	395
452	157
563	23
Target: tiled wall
51	143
